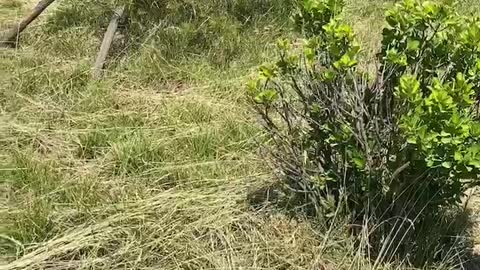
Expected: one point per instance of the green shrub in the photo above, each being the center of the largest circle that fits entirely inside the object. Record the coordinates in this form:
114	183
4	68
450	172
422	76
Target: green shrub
394	151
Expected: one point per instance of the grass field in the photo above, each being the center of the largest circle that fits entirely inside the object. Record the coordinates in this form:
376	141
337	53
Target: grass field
157	165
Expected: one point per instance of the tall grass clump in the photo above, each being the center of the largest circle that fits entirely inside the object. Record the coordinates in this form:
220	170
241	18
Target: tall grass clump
215	34
392	151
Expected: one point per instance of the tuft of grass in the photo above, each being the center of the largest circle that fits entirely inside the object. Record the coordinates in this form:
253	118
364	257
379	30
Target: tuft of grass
11	4
93	144
135	154
10	10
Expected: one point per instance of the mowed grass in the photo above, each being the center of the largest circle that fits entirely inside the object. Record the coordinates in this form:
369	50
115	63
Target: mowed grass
11	10
148	169
157	165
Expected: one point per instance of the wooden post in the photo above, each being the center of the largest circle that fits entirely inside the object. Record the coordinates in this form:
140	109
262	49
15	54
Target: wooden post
10	37
107	42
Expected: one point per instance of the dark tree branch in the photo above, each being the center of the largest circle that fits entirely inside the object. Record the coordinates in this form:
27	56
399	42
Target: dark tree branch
10	37
107	42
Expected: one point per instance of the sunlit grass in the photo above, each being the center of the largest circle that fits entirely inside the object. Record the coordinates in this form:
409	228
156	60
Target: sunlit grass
151	167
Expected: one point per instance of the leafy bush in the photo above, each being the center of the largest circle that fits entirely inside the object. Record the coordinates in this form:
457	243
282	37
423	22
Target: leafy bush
396	149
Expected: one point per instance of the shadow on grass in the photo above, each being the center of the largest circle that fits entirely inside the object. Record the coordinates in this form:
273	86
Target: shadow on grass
473	263
443	240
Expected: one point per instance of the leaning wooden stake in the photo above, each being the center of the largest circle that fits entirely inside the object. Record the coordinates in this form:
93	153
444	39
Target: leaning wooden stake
107	42
10	37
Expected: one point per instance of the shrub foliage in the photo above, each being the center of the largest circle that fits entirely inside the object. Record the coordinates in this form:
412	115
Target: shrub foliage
398	148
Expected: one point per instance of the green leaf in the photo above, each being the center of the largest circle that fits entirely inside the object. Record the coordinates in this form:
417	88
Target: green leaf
266	97
446	140
410	88
430	162
267	72
360	162
413	45
345	62
430	8
329	75
440	97
409	3
252	86
394	57
344	31
458	156
309	54
456	121
284	44
411	140
446	164
475	129
475	163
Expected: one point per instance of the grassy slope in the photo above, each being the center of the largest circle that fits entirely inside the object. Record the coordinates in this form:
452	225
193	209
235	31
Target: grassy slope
132	172
151	167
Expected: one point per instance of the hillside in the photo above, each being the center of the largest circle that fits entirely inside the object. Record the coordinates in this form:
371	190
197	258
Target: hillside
157	165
